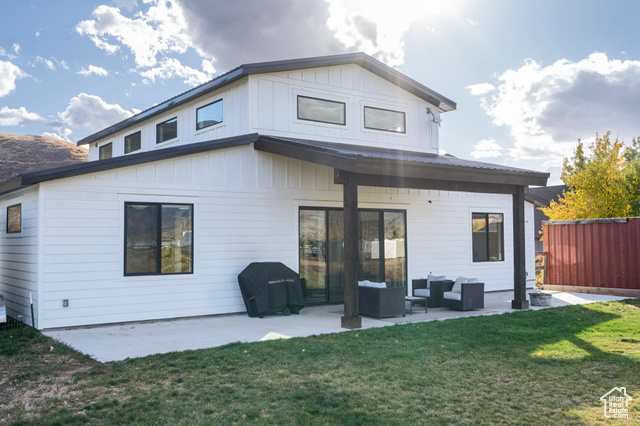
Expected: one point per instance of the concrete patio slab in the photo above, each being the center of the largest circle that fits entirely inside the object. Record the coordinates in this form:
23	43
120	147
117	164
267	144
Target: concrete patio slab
131	340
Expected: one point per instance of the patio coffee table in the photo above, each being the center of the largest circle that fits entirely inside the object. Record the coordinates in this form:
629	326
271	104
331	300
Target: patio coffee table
414	299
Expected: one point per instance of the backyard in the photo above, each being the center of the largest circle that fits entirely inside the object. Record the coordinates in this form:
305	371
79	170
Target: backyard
534	367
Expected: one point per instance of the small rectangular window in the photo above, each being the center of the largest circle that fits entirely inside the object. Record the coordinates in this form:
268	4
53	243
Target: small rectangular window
488	237
132	142
209	115
384	119
106	151
14	219
158	239
167	130
321	110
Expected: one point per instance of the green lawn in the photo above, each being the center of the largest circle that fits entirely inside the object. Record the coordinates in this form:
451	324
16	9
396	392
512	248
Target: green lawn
534	367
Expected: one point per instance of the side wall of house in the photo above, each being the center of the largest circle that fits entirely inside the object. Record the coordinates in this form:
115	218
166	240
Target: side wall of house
246	207
19	256
273	107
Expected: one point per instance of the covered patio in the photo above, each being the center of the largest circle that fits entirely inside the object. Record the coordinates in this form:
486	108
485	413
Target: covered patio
117	342
356	166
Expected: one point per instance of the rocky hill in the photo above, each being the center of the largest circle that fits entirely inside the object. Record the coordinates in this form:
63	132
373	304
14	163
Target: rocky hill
21	154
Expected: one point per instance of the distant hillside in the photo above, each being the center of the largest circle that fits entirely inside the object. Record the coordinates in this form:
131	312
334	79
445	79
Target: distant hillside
21	154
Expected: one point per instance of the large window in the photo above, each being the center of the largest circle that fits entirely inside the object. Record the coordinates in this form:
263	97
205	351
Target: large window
133	142
106	151
384	119
382	249
209	115
14	219
167	130
488	237
321	110
158	239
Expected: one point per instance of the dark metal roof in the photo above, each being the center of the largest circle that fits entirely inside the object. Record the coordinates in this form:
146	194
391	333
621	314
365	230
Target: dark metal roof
361	59
123	161
391	162
434	170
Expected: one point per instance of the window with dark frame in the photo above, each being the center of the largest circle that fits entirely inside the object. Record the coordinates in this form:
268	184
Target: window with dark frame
106	151
14	219
384	119
133	142
322	110
158	239
167	130
488	237
209	115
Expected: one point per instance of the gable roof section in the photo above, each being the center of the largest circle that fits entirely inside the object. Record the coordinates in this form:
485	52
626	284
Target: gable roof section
365	61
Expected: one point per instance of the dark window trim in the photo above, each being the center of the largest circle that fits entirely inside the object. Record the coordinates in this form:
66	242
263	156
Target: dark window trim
125	142
501	237
104	146
344	118
381	246
204	106
404	120
164	122
19	205
158	240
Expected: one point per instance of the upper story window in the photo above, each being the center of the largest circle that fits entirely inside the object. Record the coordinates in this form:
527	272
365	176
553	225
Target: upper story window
321	110
209	115
167	130
133	142
384	119
106	151
14	219
158	239
488	237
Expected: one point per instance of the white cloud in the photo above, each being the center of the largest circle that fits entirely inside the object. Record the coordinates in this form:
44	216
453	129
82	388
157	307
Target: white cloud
16	48
170	68
160	30
9	73
47	62
15	117
37	33
481	89
127	4
546	109
486	148
64	135
92	69
92	112
472	22
377	29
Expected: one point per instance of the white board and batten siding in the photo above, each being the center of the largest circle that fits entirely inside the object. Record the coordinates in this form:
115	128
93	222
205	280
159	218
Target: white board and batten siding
273	107
235	122
19	257
246	206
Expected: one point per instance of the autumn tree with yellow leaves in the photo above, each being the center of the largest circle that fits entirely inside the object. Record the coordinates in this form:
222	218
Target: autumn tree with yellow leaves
604	184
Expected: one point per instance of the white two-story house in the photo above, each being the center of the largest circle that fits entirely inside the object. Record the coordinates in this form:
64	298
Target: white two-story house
260	164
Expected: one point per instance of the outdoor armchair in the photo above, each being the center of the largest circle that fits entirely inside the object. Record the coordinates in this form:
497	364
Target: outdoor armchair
433	290
464	297
381	302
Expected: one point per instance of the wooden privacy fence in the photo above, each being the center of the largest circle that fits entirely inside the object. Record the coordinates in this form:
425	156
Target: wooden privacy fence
593	255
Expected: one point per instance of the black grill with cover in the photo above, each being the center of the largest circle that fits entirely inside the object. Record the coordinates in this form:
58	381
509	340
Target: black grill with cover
270	287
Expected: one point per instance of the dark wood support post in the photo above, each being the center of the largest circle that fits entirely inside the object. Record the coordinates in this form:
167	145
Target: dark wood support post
519	258
351	318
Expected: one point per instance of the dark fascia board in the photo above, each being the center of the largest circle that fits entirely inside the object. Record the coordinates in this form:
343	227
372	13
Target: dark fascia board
361	59
586	221
397	168
123	161
10	185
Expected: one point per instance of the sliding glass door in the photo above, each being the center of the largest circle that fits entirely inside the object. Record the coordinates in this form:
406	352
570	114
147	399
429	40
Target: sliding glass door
382	246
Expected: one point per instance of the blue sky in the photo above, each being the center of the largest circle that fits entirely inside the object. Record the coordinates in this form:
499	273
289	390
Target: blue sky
529	77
